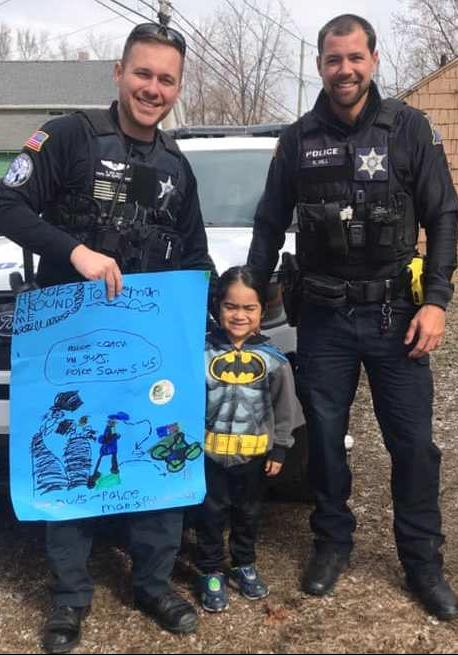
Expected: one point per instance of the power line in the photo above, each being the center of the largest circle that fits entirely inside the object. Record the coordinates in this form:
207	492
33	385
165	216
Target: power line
290	18
188	46
274	101
225	81
134	11
285	29
81	29
230	63
181	28
271	52
99	2
64	35
203	37
217	72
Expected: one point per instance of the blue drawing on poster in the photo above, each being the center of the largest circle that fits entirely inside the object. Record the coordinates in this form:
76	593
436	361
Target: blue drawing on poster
108	398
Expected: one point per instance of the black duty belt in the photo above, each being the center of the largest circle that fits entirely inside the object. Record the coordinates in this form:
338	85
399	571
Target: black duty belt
327	290
377	290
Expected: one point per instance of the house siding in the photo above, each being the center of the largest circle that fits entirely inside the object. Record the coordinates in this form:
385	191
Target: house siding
437	95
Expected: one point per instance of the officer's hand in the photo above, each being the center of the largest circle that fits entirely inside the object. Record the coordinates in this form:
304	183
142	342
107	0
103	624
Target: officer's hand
428	326
94	266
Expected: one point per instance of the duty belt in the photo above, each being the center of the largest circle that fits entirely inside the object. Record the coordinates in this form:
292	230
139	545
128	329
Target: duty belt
362	291
327	290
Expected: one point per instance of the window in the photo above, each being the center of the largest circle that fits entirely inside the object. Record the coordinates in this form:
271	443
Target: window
230	183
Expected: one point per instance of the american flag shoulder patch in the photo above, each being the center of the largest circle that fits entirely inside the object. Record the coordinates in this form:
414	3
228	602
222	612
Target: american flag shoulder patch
36	141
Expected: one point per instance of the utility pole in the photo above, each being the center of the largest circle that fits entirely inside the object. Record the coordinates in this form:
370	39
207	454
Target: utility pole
165	12
301	79
175	118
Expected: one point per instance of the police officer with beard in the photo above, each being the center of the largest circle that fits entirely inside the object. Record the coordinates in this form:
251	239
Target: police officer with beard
363	173
98	194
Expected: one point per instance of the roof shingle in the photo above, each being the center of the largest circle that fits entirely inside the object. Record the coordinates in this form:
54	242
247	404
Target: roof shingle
56	83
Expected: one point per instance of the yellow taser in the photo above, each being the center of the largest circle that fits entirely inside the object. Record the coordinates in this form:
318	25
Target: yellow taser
416	280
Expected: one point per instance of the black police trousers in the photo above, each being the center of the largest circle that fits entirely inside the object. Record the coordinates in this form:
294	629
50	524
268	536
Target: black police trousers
233	493
332	345
154	540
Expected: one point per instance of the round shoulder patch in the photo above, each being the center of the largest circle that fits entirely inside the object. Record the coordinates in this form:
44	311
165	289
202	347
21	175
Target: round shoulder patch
437	138
19	171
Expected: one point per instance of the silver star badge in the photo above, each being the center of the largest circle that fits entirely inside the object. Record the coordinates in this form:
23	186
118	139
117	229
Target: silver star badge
372	163
166	187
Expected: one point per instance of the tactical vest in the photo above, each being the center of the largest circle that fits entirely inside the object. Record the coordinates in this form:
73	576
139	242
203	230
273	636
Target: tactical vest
131	210
354	204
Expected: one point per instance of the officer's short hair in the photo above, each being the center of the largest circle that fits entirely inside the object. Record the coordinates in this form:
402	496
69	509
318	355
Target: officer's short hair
345	24
154	33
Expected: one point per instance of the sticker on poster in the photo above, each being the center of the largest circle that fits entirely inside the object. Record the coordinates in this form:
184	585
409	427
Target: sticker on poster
162	392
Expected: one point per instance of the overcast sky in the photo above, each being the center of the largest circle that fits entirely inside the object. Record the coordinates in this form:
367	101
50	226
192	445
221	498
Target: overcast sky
77	18
60	16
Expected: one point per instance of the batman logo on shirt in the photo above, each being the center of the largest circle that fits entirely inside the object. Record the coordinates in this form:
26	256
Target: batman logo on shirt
238	367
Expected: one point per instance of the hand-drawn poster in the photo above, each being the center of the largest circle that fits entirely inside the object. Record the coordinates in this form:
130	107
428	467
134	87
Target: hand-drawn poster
108	398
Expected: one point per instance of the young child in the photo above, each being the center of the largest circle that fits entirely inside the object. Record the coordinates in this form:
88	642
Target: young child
251	406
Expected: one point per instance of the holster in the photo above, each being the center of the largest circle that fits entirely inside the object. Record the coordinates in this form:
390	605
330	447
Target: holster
291	286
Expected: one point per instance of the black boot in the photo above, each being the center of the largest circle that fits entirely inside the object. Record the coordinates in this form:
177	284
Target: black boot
434	593
323	571
171	611
62	631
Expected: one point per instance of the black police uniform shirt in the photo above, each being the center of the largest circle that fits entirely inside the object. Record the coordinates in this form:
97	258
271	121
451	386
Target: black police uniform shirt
417	161
62	159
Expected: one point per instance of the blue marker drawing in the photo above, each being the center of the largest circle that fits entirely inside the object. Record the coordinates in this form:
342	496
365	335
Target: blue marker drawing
102	355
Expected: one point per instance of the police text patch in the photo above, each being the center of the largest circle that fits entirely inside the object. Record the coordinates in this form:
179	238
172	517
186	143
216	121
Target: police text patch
327	156
19	171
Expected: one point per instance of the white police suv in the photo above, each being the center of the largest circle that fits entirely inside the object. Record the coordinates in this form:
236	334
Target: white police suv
230	164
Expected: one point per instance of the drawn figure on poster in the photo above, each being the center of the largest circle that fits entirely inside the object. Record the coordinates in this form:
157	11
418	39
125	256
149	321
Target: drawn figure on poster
78	452
109	448
48	471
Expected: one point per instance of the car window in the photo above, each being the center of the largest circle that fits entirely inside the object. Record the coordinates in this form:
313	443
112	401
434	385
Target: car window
230	183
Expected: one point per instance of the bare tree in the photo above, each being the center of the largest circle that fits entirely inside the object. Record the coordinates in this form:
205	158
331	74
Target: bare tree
5	42
64	52
235	73
32	46
430	32
394	61
199	89
101	46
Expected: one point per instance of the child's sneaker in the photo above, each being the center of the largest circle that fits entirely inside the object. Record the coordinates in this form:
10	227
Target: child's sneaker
249	583
213	592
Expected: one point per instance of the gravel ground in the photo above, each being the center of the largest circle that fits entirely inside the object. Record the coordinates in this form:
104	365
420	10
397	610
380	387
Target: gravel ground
369	612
